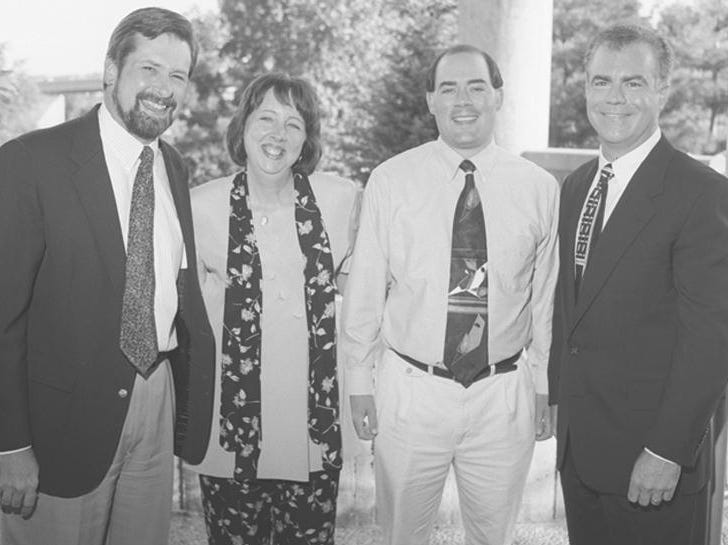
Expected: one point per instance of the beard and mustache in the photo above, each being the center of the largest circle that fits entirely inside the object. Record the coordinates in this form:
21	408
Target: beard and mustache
139	122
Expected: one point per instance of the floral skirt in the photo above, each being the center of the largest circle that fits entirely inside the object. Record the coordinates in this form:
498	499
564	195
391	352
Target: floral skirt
270	511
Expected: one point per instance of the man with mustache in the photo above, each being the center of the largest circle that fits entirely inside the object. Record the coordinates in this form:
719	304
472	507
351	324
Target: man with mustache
101	315
450	294
641	316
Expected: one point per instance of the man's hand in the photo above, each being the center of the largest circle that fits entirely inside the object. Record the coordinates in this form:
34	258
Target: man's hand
653	480
18	482
364	415
544	426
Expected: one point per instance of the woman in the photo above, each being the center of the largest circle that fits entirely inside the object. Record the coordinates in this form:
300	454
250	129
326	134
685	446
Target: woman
269	240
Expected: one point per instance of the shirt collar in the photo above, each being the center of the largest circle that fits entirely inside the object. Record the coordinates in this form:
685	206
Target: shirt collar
119	141
483	160
625	166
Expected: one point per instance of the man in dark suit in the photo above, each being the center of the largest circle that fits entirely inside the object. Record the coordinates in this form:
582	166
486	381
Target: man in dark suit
101	313
638	361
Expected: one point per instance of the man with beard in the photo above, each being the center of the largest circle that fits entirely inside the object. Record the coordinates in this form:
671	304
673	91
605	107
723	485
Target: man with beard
453	272
101	310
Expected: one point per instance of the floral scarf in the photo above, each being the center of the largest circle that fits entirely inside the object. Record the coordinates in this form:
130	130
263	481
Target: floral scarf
240	420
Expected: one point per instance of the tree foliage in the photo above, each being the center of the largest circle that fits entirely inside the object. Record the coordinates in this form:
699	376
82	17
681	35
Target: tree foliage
18	100
699	99
365	58
694	117
396	115
575	22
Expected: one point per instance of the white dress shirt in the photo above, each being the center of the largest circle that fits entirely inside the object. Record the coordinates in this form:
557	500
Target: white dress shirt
121	151
398	282
624	168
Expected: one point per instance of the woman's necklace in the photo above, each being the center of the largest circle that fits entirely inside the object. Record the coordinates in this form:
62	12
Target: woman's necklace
266	207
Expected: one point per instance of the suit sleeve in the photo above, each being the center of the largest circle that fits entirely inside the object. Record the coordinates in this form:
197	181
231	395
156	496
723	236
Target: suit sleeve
700	361
557	333
22	242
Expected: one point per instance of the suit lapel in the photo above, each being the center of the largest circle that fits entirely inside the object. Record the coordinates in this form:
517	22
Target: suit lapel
180	195
632	213
178	187
93	186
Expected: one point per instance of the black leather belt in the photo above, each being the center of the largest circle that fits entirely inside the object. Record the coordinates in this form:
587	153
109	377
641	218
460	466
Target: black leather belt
504	366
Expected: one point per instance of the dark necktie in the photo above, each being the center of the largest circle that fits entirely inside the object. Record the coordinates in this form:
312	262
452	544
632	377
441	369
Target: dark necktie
466	334
138	339
590	224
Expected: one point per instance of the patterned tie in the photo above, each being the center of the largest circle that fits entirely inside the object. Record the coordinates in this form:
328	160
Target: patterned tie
466	334
590	225
138	338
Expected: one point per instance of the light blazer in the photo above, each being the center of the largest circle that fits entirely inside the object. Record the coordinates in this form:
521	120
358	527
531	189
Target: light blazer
337	200
641	359
61	370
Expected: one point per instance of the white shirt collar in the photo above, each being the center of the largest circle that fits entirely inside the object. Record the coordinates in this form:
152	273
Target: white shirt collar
483	160
117	140
625	166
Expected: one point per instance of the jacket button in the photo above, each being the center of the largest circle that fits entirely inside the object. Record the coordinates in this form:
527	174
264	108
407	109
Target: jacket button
123	393
574	350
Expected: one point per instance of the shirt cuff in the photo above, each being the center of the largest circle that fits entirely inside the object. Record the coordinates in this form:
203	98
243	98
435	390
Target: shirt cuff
16	450
660	457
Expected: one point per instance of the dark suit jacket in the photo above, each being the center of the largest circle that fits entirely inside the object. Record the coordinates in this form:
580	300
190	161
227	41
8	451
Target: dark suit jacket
641	359
61	285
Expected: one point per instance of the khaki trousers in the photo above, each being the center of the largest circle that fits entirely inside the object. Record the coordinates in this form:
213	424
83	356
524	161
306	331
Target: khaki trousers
132	505
428	424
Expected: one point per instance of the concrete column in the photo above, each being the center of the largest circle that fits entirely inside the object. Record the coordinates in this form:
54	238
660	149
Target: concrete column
517	33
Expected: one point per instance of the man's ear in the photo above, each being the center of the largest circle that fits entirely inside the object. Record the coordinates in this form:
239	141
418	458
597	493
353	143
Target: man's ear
111	73
498	99
429	97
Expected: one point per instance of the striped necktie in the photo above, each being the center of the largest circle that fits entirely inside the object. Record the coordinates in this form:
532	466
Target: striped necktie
590	225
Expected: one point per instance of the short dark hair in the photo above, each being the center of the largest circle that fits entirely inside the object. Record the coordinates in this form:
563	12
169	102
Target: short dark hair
621	35
496	80
290	90
150	23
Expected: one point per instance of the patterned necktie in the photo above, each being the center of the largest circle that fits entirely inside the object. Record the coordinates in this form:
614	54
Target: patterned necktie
466	334
138	339
590	224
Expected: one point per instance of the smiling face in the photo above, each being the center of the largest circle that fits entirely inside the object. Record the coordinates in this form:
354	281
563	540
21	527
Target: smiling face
274	136
464	102
147	91
624	96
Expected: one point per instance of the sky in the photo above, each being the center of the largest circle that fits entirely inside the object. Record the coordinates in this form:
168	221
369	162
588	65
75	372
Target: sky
54	38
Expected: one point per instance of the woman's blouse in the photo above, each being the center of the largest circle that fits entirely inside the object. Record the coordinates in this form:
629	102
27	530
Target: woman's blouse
286	450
